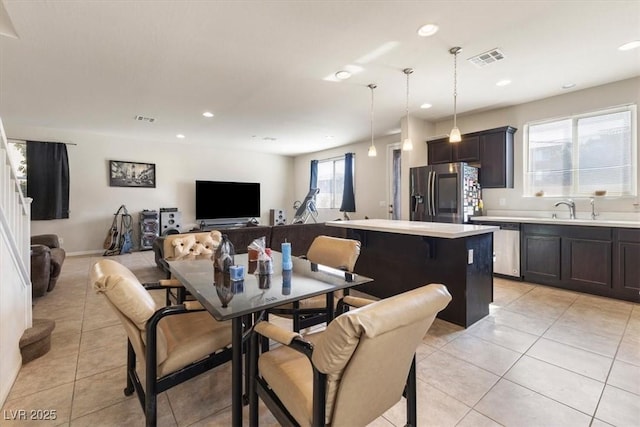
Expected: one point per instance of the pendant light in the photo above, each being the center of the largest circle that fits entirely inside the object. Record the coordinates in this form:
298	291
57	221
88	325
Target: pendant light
454	136
372	149
407	145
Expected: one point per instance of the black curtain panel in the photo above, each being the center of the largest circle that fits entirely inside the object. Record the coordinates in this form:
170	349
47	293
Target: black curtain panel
348	195
48	180
313	180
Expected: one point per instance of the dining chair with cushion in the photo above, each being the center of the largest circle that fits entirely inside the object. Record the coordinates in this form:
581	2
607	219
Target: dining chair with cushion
352	372
333	252
175	343
189	246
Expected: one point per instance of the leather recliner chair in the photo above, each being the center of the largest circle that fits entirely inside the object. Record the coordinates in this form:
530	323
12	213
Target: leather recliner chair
47	258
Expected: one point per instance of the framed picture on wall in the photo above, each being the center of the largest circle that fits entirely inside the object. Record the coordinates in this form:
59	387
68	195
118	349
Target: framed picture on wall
132	174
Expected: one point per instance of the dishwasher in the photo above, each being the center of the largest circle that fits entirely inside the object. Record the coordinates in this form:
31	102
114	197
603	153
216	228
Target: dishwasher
506	249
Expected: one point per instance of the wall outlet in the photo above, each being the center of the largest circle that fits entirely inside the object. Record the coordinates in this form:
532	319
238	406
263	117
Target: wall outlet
470	256
61	240
502	201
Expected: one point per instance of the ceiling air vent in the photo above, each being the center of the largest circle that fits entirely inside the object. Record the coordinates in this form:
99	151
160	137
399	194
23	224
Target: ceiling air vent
487	58
145	119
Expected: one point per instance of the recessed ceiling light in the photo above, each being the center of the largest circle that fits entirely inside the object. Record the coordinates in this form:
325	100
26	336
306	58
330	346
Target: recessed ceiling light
328	137
346	72
208	114
425	106
568	85
180	136
427	30
631	45
503	82
343	75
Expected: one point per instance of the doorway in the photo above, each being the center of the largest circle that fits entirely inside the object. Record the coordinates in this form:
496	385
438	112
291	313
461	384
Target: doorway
394	168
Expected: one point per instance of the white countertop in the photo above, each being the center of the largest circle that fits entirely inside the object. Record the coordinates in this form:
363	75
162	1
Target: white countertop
417	228
560	221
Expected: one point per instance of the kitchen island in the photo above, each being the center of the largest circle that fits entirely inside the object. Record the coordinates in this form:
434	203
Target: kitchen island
404	255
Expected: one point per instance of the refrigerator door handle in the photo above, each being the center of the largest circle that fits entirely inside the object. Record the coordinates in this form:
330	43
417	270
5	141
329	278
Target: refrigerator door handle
432	193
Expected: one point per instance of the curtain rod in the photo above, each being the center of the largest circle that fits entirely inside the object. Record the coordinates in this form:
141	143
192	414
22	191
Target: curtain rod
25	140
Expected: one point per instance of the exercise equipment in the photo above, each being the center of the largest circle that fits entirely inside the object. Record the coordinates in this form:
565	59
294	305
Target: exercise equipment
307	208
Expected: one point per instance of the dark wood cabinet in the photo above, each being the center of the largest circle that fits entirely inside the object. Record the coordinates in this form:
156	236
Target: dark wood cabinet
468	150
586	259
496	158
491	150
626	263
597	260
540	249
440	151
443	151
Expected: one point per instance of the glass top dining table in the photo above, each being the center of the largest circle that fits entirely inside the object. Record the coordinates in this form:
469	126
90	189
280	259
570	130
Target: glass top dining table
234	300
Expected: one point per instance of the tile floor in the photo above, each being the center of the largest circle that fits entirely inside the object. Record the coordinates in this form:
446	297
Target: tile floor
544	357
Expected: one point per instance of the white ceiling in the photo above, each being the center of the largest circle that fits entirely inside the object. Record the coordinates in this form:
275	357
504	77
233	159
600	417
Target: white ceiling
260	66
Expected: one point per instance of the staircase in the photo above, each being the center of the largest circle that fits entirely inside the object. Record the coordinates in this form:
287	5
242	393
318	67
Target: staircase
15	263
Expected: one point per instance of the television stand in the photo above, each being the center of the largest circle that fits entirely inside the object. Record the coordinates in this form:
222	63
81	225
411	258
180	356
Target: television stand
204	226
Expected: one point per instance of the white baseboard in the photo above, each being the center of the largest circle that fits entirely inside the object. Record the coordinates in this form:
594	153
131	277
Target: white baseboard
83	253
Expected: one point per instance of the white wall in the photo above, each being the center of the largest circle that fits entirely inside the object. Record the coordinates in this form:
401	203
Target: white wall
419	130
15	262
613	94
370	178
369	186
93	202
371	173
284	179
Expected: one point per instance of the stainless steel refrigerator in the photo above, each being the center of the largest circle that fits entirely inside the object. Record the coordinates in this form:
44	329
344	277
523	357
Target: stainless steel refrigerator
444	193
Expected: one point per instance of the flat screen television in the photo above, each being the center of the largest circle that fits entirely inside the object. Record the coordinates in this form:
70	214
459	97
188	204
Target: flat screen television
217	201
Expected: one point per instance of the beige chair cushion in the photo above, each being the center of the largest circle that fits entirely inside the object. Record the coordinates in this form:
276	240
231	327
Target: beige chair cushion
131	300
183	246
318	302
334	252
289	374
191	337
127	294
191	245
366	354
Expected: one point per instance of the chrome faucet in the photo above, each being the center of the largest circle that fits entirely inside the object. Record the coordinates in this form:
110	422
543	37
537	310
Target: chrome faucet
571	205
594	214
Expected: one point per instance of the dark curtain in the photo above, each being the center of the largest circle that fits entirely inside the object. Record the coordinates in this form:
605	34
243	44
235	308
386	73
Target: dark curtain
348	196
313	180
48	180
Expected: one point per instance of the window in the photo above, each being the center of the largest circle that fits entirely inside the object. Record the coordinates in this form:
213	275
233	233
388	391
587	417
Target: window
330	183
18	154
579	155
